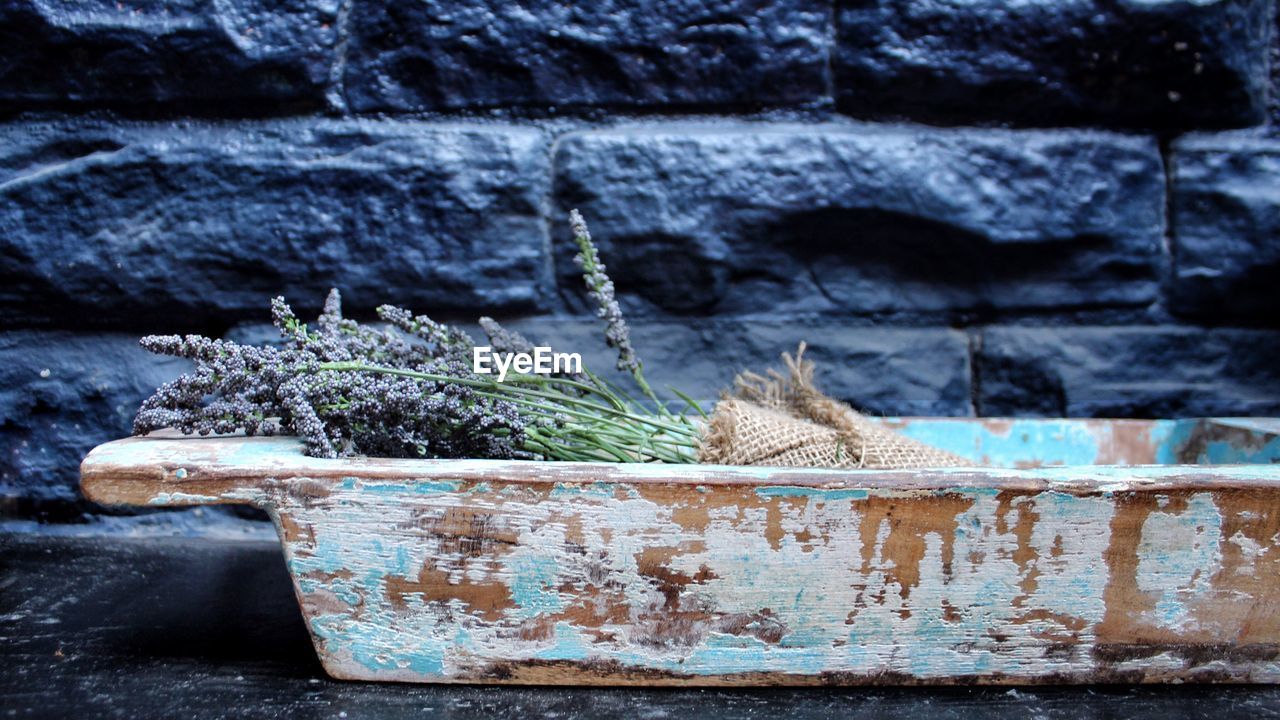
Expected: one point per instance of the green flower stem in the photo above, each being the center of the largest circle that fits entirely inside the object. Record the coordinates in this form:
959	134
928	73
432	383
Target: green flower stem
585	387
548	440
506	390
609	433
648	391
620	430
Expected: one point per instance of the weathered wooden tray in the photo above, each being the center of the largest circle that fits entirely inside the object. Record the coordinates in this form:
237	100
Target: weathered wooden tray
521	572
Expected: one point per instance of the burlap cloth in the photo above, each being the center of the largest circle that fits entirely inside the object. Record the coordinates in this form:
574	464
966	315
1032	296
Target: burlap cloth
782	420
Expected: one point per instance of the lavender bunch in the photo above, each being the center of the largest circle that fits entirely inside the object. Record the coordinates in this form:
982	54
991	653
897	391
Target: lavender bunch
407	389
265	390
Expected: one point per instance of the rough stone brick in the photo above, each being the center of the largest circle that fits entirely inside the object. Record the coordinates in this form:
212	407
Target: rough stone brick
1273	106
887	371
1127	372
164	225
492	53
61	394
1226	221
127	53
756	219
1130	63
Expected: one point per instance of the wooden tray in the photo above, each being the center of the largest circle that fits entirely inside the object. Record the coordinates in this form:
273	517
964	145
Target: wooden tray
1135	560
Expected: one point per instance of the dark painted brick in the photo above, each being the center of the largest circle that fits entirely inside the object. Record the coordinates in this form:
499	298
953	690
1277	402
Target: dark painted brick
1130	63
756	219
1273	107
492	53
60	395
890	371
1128	372
128	53
161	225
1226	221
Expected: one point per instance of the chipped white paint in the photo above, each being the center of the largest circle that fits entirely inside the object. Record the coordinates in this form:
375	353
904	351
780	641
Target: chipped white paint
181	498
1176	559
1250	551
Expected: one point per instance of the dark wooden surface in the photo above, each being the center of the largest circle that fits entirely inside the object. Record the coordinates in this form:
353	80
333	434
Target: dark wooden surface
194	627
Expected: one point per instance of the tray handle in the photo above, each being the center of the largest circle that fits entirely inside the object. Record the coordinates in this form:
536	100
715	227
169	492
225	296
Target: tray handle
168	470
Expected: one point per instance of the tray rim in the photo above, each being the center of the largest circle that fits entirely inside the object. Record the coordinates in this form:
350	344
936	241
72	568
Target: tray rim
168	468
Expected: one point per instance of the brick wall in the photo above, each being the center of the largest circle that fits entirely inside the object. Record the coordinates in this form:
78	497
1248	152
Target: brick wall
986	208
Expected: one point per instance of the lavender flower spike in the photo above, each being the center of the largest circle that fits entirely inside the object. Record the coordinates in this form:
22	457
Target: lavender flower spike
504	340
600	288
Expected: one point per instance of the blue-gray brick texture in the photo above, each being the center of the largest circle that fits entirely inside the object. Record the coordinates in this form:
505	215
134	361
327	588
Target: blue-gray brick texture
979	208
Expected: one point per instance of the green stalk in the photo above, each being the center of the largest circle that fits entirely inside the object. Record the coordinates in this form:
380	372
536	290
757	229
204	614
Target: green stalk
609	433
627	435
612	399
503	388
549	412
613	451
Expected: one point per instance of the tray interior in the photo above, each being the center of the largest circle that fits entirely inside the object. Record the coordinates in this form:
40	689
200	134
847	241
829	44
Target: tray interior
1022	443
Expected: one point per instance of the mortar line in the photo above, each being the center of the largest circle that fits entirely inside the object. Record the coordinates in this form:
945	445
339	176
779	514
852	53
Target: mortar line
975	372
336	93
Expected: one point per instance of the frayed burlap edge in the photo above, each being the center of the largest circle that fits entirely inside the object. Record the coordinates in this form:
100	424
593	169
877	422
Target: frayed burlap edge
782	420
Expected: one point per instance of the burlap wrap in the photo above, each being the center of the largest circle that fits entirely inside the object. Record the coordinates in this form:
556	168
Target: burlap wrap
782	420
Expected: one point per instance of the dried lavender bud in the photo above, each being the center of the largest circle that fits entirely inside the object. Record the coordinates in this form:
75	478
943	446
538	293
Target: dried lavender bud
600	288
303	419
503	340
290	327
330	321
444	340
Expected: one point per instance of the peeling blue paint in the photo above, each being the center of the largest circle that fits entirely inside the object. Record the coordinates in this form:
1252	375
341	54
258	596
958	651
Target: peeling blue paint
772	491
1041	441
1174	554
416	487
596	489
569	645
426	664
533	585
1077	442
182	499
